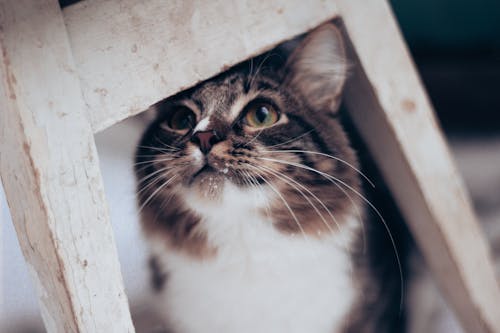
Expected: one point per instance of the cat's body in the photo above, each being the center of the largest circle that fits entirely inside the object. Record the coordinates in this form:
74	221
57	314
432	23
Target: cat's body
251	199
260	280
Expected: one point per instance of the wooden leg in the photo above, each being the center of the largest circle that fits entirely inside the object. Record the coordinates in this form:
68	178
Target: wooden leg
390	108
49	167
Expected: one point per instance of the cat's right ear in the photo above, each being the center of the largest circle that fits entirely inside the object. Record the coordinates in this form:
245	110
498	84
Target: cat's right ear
317	68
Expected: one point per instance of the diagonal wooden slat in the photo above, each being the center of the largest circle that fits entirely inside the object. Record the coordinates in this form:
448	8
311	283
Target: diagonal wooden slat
131	54
389	106
49	167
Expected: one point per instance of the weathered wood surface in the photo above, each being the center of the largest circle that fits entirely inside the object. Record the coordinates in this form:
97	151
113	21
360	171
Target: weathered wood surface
49	168
389	106
130	54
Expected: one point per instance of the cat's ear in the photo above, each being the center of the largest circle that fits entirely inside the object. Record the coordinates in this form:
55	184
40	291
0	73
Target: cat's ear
317	68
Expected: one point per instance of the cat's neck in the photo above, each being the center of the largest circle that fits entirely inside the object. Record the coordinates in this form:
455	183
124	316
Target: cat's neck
242	216
228	201
256	268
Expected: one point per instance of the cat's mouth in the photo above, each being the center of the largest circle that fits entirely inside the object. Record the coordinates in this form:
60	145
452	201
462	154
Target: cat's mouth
205	169
207	180
212	170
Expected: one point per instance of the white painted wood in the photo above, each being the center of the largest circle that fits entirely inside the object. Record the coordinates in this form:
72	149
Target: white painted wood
49	168
391	110
133	53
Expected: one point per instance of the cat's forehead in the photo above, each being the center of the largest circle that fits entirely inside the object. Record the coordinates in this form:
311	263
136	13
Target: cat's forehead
231	88
215	99
223	90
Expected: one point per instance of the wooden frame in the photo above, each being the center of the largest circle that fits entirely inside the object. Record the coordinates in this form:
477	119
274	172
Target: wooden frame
66	75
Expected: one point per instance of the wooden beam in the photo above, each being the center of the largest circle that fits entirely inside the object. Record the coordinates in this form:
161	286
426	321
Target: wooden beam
49	167
131	54
390	108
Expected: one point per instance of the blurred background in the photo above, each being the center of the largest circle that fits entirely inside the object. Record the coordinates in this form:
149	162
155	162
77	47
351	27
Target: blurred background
456	47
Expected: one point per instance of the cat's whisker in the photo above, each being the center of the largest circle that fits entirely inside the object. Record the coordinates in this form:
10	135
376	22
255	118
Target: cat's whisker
257	71
152	182
143	179
162	150
362	197
250	71
151	156
324	155
289	181
152	161
141	169
292	139
165	184
167	145
334	219
358	213
250	75
244	176
167	172
167	153
252	139
164	203
158	175
275	190
256	185
345	246
291	210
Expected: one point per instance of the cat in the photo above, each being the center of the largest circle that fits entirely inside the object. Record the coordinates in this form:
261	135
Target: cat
252	202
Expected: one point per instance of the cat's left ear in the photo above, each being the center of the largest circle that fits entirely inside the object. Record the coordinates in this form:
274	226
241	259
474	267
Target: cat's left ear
317	68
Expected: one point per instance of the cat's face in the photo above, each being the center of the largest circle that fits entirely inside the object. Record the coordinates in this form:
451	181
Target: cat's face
255	127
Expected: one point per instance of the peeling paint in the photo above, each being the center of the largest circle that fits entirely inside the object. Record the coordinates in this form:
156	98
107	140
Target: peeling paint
408	105
101	91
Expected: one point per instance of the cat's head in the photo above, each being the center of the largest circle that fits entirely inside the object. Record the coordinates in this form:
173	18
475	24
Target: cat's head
258	125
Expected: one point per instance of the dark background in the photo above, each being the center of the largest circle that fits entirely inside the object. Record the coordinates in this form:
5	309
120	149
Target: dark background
456	46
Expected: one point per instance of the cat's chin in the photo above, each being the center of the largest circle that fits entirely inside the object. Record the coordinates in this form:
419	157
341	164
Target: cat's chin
203	172
207	182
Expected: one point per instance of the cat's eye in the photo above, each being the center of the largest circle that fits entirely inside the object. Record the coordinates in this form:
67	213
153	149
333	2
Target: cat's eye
181	119
261	115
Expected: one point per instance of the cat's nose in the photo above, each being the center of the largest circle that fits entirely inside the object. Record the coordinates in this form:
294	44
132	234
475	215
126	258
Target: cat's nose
205	140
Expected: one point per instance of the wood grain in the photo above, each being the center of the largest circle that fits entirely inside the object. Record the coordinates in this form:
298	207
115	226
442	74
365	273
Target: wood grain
49	167
131	54
390	108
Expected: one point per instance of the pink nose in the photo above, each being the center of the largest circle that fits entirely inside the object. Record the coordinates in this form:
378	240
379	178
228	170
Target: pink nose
205	140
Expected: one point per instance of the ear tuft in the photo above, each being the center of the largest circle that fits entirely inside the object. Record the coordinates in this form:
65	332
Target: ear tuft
317	68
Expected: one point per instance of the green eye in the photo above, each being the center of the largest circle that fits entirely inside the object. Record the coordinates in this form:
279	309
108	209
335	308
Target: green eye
182	119
261	115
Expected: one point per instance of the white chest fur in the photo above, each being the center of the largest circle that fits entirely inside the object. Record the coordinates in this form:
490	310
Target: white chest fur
260	280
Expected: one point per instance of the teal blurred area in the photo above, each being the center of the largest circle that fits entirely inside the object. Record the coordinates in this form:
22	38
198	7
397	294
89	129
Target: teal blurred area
449	24
456	47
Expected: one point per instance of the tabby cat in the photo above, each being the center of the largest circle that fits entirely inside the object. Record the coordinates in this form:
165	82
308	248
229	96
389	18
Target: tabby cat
251	198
